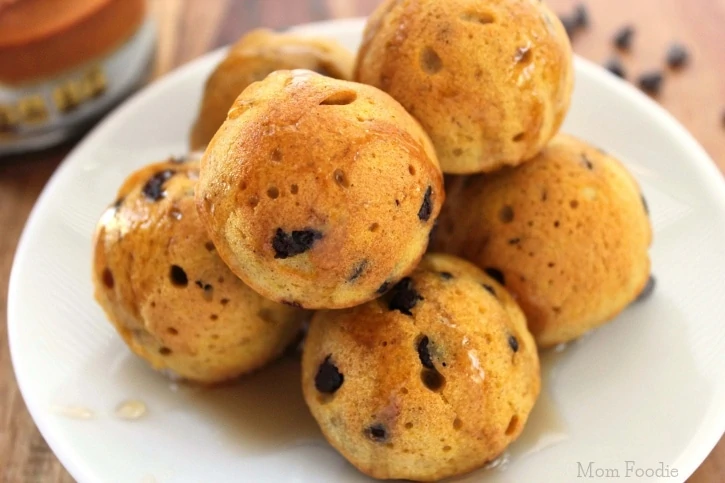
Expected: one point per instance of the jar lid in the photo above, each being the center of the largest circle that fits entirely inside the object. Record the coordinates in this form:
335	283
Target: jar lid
43	38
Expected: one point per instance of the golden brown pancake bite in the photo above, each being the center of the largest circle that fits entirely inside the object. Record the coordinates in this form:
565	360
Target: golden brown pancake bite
251	59
169	295
489	80
319	193
432	380
567	233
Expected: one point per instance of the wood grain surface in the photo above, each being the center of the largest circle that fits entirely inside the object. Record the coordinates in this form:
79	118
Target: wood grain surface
189	28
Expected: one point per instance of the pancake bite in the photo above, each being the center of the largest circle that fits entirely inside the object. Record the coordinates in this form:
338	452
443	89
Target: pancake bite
319	193
489	80
251	59
567	234
432	380
169	295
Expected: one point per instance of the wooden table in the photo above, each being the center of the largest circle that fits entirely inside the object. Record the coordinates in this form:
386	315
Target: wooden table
188	28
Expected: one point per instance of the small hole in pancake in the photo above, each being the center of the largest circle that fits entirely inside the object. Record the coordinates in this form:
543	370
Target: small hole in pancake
108	278
506	214
513	425
341	178
341	98
483	18
430	62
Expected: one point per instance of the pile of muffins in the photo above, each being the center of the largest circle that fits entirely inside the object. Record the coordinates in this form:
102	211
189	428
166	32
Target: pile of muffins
318	208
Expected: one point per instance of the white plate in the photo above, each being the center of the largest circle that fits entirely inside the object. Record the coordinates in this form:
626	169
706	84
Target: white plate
648	388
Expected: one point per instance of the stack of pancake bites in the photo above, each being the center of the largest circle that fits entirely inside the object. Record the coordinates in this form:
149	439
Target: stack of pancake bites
319	206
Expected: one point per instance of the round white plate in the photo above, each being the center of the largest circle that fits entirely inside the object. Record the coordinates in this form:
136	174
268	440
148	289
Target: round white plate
649	388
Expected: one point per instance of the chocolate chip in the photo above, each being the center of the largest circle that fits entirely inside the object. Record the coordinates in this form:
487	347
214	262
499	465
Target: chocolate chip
433	380
357	271
292	303
404	297
178	276
677	56
514	241
650	82
513	343
377	433
623	37
489	288
581	16
648	289
203	286
154	187
495	274
289	245
615	66
446	275
328	378
427	207
644	203
424	353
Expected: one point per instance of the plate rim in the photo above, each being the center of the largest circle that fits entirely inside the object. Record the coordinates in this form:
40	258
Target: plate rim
704	439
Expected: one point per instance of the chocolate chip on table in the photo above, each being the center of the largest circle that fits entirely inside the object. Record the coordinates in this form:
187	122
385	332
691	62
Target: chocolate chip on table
677	56
623	37
650	82
495	274
424	353
427	207
289	245
377	433
154	187
581	16
328	378
648	289
405	297
513	343
615	66
489	288
357	271
446	275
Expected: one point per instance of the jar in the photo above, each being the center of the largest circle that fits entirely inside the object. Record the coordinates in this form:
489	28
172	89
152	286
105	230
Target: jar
64	63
